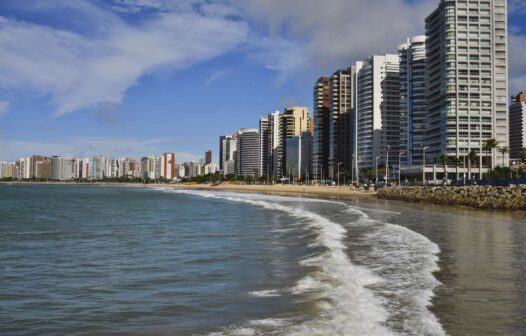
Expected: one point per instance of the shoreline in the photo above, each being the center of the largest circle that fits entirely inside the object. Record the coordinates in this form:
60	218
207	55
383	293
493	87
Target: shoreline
323	192
309	191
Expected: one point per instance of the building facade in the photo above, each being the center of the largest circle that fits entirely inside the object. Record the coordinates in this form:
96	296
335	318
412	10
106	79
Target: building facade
247	161
321	143
377	114
467	79
413	112
518	127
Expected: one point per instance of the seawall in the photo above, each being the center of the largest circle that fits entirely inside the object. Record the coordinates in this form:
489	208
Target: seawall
481	197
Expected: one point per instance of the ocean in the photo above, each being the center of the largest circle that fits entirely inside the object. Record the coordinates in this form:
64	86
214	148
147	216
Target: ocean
94	260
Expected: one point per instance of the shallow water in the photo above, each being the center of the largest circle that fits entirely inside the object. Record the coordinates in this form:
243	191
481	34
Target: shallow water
128	261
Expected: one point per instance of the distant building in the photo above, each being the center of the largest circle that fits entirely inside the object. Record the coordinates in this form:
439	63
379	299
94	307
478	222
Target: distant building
299	157
100	167
168	166
518	126
227	150
413	111
322	127
208	157
265	152
229	167
148	167
377	121
84	169
57	164
247	161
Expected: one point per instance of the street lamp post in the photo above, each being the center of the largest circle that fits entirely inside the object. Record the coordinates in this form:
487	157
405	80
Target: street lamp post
400	168
424	148
376	170
352	172
339	173
387	166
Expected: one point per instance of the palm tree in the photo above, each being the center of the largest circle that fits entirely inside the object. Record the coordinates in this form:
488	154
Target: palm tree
457	162
489	146
444	159
504	150
472	156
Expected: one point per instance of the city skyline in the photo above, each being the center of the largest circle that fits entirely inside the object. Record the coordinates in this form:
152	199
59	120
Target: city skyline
147	115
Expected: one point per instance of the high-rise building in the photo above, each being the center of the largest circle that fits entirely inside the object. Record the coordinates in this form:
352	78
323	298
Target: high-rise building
3	169
294	121
377	110
299	157
247	162
322	126
413	110
57	164
84	169
148	167
168	166
208	157
518	126
467	78
24	168
341	143
100	167
117	167
265	151
227	150
274	143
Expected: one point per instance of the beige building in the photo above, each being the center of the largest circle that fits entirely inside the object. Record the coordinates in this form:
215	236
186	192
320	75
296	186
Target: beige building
518	126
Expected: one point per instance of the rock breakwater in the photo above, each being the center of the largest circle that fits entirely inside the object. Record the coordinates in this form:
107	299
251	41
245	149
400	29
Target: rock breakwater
481	197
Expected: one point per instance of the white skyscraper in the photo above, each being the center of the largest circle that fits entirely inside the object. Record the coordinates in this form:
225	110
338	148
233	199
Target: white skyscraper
413	112
467	78
247	162
100	167
377	110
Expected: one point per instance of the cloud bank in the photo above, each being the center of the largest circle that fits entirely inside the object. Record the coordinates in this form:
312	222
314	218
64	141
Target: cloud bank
80	71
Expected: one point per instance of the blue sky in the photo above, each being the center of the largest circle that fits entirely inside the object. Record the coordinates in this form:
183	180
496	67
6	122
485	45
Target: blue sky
141	77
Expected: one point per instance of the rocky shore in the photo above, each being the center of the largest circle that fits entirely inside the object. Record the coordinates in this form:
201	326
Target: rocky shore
481	197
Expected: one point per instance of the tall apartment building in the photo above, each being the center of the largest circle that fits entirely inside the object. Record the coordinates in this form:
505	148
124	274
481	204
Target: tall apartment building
100	167
413	112
377	110
227	153
467	78
341	125
265	152
322	128
294	121
40	167
168	166
518	126
148	167
275	144
208	157
57	164
247	161
299	157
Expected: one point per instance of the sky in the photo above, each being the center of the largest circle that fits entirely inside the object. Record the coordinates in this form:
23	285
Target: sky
142	77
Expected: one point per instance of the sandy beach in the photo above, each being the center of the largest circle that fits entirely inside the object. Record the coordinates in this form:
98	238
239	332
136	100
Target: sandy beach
325	191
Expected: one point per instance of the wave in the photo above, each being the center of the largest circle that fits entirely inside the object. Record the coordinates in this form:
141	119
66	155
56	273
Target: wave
353	299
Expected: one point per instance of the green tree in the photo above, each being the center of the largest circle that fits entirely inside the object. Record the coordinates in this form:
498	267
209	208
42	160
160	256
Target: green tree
489	147
444	159
504	150
472	157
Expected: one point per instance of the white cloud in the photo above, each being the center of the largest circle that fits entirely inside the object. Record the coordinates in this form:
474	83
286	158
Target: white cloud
517	7
517	63
4	107
81	71
90	146
335	33
215	76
